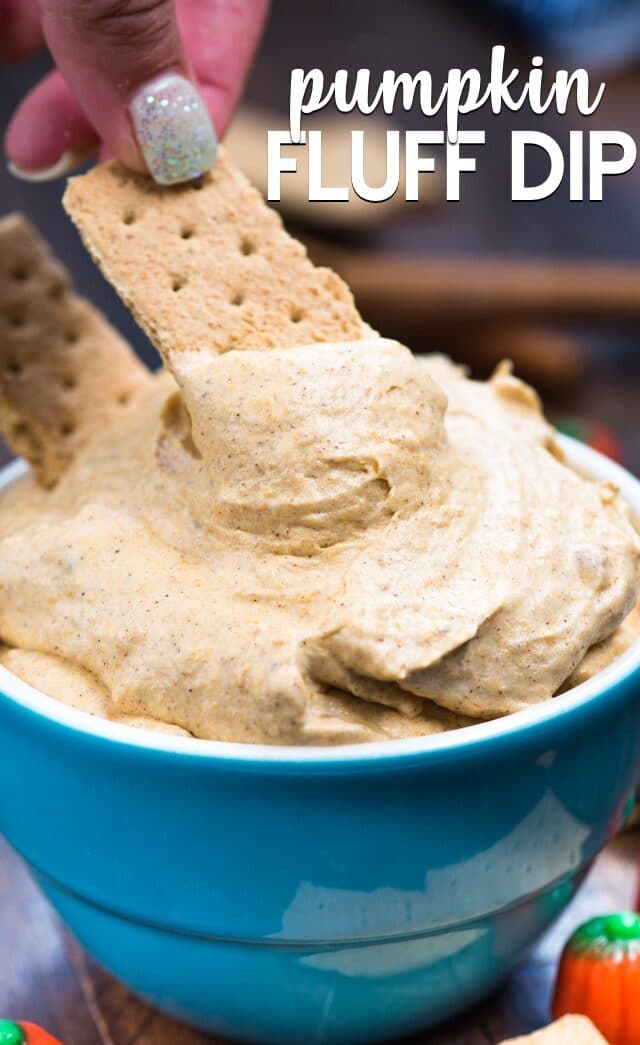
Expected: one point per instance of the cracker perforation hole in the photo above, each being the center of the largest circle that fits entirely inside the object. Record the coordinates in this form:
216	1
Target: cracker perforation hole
177	284
69	382
20	273
14	366
186	232
296	315
67	428
247	247
123	398
71	336
15	318
56	291
26	441
237	299
129	217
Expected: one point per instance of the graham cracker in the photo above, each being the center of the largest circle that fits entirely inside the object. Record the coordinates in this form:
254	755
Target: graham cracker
570	1030
207	266
64	372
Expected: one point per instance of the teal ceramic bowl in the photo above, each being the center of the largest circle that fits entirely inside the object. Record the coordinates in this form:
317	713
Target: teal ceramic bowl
293	895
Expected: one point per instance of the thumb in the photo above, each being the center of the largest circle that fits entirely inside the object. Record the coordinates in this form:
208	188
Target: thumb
125	63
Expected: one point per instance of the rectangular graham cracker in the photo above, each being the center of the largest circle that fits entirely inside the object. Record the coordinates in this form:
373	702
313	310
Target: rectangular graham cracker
207	266
64	372
570	1030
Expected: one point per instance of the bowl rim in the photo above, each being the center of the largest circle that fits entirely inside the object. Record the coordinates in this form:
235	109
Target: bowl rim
583	458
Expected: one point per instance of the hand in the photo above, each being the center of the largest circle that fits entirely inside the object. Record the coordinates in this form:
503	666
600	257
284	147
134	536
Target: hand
125	77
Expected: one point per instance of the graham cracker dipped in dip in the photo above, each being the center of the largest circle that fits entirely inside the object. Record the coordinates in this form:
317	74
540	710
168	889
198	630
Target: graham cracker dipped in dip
298	532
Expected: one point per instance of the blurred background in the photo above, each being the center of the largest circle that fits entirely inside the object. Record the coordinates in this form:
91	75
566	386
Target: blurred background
554	285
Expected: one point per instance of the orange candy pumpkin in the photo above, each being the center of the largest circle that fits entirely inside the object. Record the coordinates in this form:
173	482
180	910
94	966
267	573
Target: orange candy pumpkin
21	1033
599	976
37	1036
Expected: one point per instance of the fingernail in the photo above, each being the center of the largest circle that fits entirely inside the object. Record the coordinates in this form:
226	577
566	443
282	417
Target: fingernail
173	129
68	162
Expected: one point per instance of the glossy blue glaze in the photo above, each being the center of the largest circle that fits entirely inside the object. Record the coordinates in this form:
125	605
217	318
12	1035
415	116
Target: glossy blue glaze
345	895
335	993
336	901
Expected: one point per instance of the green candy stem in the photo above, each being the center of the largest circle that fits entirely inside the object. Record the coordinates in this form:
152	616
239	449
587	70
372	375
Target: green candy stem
576	429
11	1033
608	935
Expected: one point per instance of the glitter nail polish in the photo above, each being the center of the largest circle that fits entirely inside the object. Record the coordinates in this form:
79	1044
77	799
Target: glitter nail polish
173	129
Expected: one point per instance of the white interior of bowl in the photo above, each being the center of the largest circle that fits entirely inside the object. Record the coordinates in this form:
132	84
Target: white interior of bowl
582	457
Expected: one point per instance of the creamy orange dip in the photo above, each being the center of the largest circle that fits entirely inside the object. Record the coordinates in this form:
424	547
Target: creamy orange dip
332	543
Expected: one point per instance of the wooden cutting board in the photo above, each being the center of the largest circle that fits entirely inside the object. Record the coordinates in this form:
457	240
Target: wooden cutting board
46	977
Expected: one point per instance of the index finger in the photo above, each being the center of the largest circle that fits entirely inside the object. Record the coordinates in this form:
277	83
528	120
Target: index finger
20	31
221	38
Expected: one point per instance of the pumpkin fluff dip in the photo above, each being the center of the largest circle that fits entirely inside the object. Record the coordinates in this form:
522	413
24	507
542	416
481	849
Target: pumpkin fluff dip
297	532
